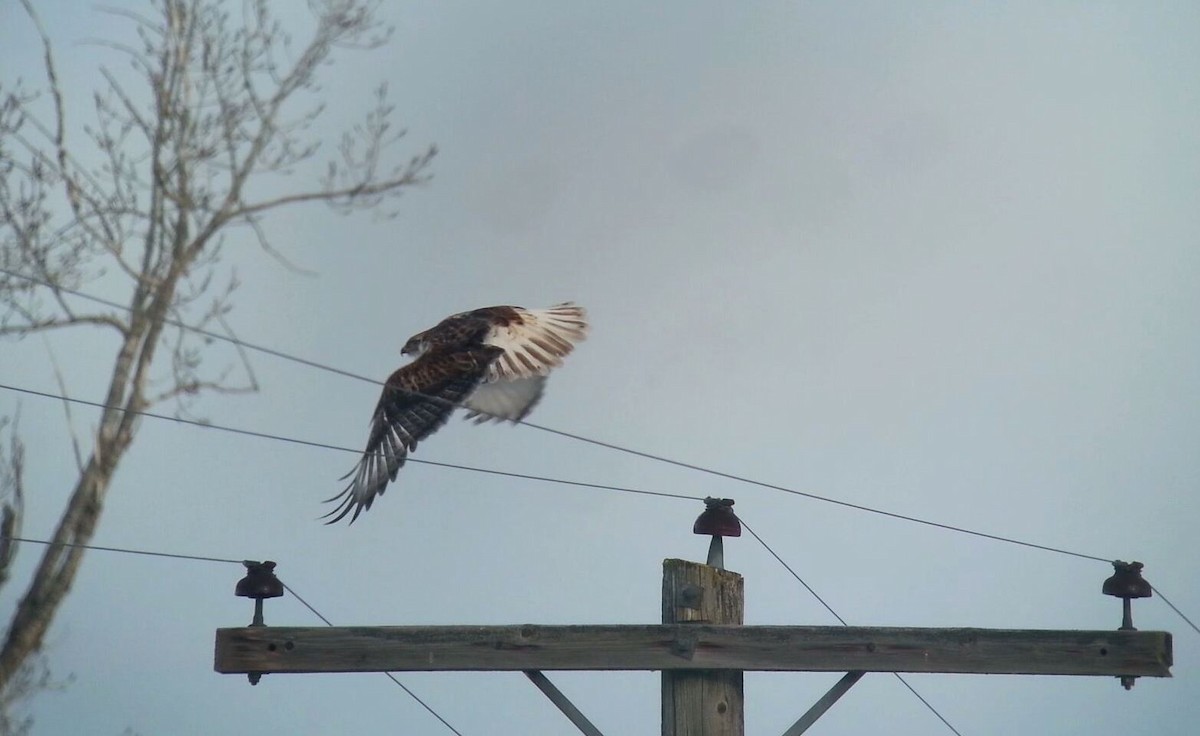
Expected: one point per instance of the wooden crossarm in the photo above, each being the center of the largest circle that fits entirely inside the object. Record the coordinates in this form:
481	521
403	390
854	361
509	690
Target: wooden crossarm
280	649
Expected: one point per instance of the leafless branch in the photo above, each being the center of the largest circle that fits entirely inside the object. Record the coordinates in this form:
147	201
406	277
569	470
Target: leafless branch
62	389
346	196
254	222
72	320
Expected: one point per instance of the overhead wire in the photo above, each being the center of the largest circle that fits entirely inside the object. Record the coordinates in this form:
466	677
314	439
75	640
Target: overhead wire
561	433
574	436
324	619
563	481
201	558
192	328
413	695
339	448
1175	608
784	489
794	574
564	434
762	542
390	676
125	550
327	622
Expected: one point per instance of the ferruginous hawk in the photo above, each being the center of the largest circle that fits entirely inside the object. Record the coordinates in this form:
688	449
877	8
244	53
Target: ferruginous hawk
492	362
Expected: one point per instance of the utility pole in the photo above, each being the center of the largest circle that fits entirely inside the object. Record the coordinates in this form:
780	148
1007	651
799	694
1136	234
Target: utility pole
701	702
702	648
704	702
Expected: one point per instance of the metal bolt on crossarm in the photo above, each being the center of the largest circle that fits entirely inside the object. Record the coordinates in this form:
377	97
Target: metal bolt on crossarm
1127	583
718	520
260	583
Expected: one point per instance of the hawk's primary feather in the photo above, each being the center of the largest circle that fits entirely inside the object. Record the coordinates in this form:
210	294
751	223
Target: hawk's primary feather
491	361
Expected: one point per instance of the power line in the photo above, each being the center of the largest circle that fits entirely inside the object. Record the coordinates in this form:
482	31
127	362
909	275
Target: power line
326	446
748	528
897	675
587	485
561	433
434	713
414	696
928	705
125	550
191	328
569	435
201	558
312	609
339	448
327	622
581	438
794	574
390	676
1174	608
841	620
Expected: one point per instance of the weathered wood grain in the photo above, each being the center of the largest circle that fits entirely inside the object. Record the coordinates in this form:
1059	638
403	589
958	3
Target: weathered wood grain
692	646
706	702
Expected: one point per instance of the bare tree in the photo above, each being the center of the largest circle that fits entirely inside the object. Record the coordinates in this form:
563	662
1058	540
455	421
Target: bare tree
216	111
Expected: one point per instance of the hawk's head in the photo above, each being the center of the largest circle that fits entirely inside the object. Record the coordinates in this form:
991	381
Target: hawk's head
415	345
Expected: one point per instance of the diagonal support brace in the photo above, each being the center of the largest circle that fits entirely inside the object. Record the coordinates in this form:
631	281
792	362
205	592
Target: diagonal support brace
562	703
825	703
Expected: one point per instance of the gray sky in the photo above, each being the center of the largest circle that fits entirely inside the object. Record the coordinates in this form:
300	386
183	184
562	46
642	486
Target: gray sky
937	258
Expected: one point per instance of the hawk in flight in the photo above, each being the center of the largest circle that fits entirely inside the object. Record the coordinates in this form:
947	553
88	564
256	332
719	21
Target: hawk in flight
492	362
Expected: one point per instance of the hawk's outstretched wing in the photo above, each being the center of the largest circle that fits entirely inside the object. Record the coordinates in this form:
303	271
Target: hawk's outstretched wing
534	340
417	399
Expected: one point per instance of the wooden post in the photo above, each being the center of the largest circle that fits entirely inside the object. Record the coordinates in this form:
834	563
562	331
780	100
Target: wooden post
701	702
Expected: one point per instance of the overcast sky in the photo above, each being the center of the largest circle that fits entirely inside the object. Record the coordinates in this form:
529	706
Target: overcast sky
935	258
